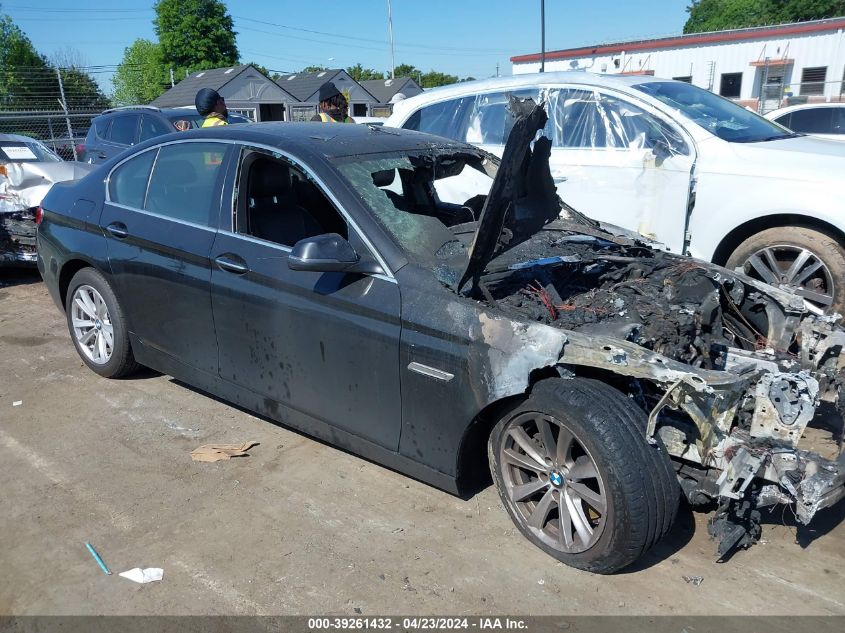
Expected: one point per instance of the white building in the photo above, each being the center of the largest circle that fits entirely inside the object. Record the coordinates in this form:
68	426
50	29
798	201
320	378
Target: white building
761	67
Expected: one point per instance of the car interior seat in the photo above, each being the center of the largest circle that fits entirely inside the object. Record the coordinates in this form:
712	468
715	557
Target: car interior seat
273	213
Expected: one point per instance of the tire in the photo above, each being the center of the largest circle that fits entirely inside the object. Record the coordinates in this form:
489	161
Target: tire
92	310
609	463
781	247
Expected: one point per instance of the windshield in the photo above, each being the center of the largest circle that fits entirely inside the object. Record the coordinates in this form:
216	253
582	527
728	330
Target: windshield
719	116
26	151
424	201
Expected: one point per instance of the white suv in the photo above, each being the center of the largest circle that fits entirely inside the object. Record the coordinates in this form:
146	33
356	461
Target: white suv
676	163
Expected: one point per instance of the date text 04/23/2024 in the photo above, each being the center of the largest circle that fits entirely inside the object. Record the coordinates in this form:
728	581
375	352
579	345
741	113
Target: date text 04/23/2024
416	623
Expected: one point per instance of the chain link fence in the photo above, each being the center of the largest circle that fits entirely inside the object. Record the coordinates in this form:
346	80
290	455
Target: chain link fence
53	105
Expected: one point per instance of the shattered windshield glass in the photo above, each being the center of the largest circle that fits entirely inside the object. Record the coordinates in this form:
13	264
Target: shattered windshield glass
719	116
428	202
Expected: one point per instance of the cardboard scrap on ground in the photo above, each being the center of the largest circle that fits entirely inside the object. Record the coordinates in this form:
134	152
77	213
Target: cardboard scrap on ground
217	452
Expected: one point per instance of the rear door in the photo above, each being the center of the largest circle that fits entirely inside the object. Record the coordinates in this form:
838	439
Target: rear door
159	218
324	345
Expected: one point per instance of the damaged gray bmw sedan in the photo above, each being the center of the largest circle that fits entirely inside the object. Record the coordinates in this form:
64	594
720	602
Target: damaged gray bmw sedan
425	305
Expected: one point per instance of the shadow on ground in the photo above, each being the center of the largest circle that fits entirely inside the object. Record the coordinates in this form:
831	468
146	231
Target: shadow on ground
18	276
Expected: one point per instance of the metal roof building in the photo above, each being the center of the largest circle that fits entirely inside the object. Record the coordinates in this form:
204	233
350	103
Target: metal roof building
385	89
306	86
246	89
763	67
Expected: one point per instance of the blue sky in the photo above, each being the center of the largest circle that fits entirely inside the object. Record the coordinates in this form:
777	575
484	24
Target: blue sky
460	37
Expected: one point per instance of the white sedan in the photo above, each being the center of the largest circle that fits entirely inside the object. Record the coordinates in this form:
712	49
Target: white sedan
676	163
825	120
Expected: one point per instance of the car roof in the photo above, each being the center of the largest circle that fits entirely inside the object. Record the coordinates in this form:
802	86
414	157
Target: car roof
17	138
518	81
149	110
325	140
801	106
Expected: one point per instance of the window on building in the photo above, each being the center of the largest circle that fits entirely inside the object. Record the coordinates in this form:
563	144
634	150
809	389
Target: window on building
812	80
685	78
359	109
731	85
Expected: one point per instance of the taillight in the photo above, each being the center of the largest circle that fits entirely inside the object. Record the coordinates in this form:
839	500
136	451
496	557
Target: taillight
80	149
39	215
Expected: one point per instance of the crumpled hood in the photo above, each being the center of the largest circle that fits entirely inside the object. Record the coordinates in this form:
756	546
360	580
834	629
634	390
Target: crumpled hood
522	198
26	184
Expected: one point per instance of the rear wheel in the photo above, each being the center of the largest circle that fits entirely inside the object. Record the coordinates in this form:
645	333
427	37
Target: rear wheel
97	325
578	478
808	259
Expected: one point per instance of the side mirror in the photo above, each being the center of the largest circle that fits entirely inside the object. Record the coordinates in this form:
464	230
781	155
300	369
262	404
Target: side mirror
329	253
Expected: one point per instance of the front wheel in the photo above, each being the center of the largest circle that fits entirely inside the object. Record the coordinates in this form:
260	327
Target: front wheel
810	260
578	478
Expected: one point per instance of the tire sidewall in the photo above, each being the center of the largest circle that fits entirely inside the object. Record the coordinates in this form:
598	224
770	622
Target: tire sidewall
120	347
616	517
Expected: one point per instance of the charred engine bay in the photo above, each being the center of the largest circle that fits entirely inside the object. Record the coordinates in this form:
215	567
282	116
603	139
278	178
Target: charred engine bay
668	304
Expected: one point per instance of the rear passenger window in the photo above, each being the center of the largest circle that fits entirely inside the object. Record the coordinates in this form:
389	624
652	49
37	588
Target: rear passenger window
128	183
102	127
444	119
184	181
124	129
812	121
152	127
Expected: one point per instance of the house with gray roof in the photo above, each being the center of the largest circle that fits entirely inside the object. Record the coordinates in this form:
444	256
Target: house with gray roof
306	86
385	90
246	89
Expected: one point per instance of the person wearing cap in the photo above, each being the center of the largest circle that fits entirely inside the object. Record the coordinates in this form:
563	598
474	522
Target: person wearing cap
333	106
212	106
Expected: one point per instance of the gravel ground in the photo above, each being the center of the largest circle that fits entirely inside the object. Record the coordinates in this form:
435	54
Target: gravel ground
299	527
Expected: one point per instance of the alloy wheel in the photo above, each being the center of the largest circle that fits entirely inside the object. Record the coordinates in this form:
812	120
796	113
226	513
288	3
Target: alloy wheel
794	266
91	325
553	482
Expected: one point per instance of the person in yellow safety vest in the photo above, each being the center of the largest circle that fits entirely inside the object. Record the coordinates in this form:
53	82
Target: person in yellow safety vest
213	107
333	106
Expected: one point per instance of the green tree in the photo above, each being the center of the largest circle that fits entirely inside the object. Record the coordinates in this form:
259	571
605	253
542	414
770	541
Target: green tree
359	73
407	70
21	66
142	74
719	15
433	78
195	34
313	69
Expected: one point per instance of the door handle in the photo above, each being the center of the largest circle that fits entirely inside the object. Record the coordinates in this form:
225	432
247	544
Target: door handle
231	263
118	229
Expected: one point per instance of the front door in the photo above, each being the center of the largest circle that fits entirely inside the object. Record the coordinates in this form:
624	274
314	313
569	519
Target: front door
619	163
159	228
326	345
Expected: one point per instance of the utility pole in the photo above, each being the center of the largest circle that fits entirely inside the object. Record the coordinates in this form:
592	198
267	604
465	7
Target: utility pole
392	50
542	36
172	83
63	102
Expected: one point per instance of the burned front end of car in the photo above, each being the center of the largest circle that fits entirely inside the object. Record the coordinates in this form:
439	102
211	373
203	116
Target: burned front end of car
742	384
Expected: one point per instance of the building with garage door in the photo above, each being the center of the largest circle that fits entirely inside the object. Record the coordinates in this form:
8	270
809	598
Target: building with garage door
762	68
246	89
306	86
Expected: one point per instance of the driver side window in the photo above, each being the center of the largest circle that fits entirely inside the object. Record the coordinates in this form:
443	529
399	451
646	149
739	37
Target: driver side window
278	202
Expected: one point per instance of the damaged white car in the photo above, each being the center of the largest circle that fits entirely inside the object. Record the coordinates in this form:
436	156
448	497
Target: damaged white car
28	169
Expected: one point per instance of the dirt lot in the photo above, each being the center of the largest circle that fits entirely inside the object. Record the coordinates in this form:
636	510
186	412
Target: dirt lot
300	527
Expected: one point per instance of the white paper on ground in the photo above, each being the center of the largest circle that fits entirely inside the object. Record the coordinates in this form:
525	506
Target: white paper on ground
143	575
